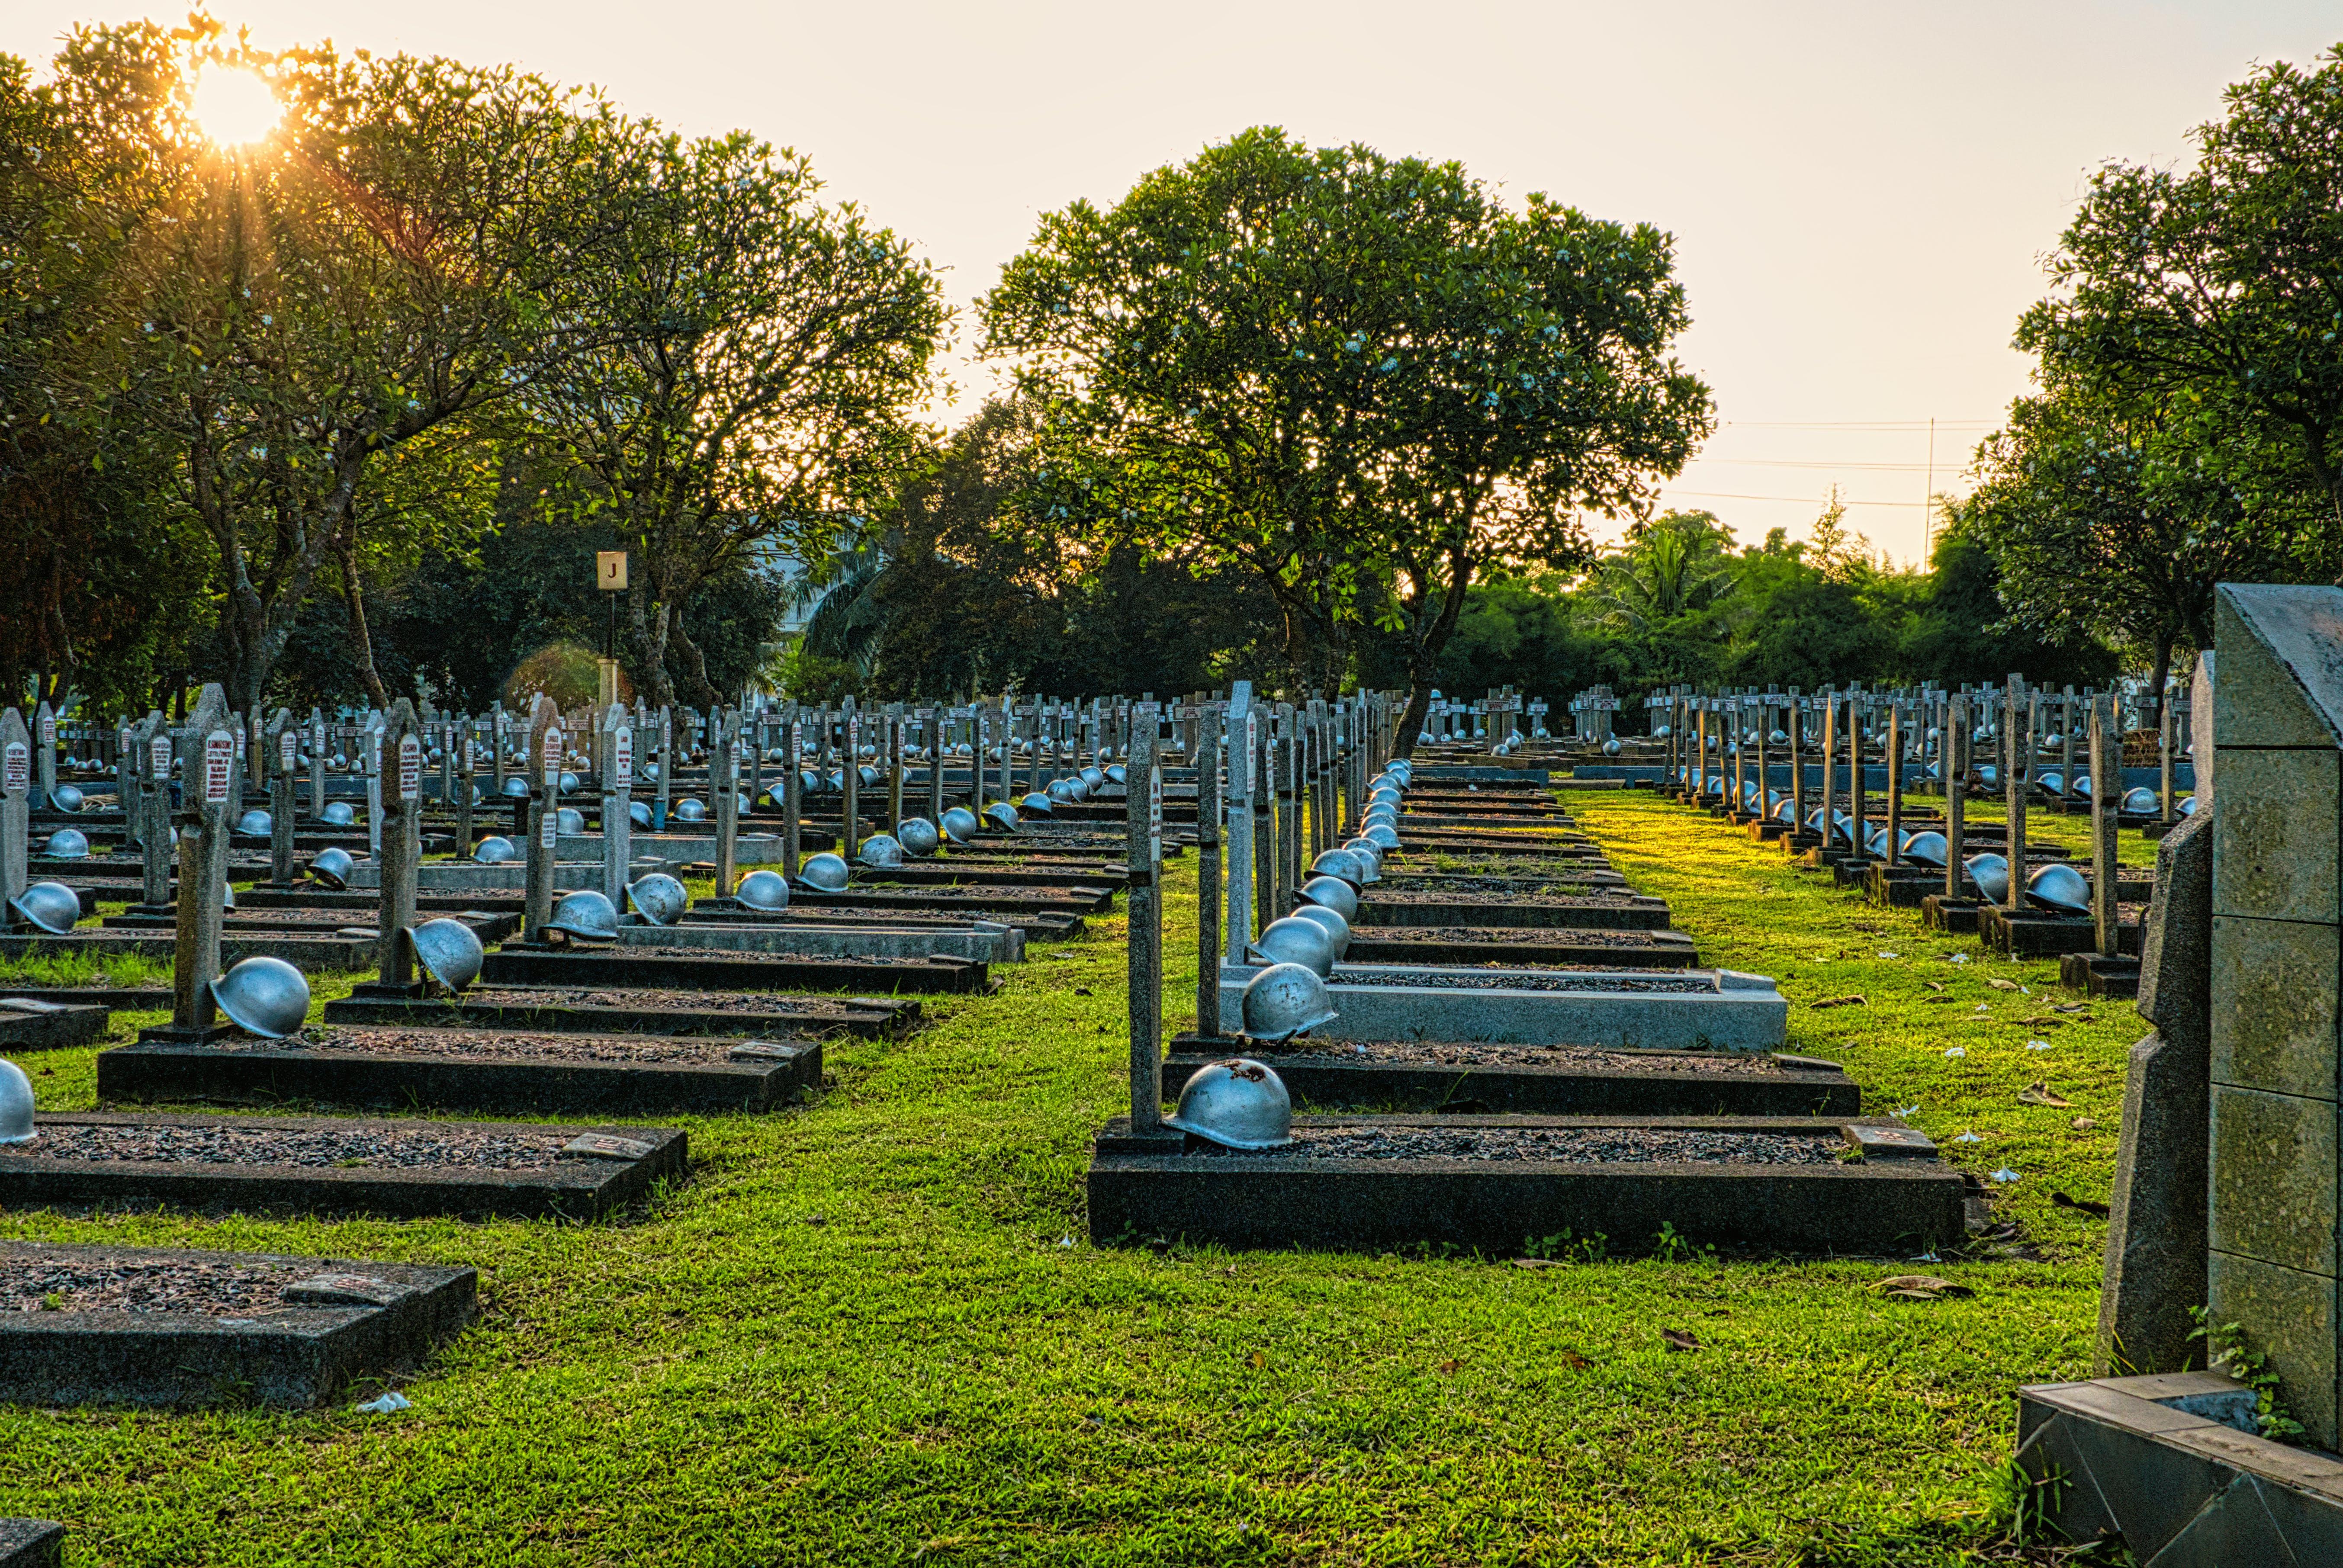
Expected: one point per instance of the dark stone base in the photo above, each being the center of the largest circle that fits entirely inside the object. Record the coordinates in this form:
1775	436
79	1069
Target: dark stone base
1141	1188
2171	1463
172	1034
2117	979
1801	843
511	1086
514	965
1766	831
572	1188
292	1359
867	1018
1677	1083
1003	906
1676	952
58	1026
1901	887
2040	936
2154	830
1628	915
32	1544
1939	913
1852	871
732	911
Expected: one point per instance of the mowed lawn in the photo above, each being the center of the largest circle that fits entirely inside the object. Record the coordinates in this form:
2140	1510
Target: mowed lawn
871	1330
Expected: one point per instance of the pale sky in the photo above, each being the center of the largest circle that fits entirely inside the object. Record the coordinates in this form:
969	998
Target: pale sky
1861	195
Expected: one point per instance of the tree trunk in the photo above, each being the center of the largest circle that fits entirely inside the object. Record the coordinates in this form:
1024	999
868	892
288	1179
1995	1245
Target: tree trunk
2163	673
361	640
702	692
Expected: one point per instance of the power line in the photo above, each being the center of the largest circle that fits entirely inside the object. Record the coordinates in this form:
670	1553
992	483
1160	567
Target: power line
1857	424
1786	463
1801	500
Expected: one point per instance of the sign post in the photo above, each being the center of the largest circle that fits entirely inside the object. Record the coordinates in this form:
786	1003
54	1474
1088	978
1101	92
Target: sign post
610	578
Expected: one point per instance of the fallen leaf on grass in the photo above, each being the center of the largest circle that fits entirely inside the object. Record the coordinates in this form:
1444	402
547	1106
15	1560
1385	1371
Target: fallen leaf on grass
1936	1001
1921	1288
1258	1358
1841	1001
1935	985
1535	1263
2044	1022
2070	1007
1571	1358
1449	1368
2041	1093
2083	1205
1681	1339
2083	1123
1999	984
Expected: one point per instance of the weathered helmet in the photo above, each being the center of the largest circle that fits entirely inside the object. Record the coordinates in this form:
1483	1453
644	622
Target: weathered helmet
1337	928
917	835
1001	815
1295	941
587	915
1785	810
495	849
568	820
448	950
1370	856
1332	893
1339	863
826	871
16	1105
1610	746
68	797
881	849
338	813
869	776
658	898
1989	874
1381	835
2058	886
69	844
2139	802
1035	805
2083	785
1116	773
1989	775
2186	806
1661	732
1284	1000
958	824
569	783
1239	1103
1927	849
332	866
691	809
638	813
764	890
1065	791
1093	775
254	823
51	906
515	785
2048	780
263	995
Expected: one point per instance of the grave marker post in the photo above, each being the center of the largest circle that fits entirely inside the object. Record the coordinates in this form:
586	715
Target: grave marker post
1829	699
158	836
666	768
1796	705
2016	715
460	746
617	795
540	836
2067	750
15	806
792	794
2164	719
1954	761
1143	850
892	759
932	730
127	782
2105	797
370	747
207	759
500	739
1265	814
282	750
851	776
1243	727
723	785
44	757
1895	780
1204	722
402	845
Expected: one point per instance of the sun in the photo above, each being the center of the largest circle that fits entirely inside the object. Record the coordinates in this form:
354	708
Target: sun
235	108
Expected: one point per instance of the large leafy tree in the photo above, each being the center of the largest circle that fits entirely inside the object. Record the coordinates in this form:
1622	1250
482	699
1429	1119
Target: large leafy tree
2212	297
1355	374
753	397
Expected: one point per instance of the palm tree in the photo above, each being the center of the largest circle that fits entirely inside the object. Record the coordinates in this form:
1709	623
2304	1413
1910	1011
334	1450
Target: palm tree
1669	567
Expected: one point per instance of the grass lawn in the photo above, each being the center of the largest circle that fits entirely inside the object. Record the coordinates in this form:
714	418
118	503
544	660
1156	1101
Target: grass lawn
870	1331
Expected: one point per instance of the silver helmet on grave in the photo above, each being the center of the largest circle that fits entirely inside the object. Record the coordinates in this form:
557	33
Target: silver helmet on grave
1284	1000
826	872
1332	893
1001	815
67	844
958	824
586	915
2059	888
1925	849
1238	1103
16	1105
658	898
1035	805
2138	802
495	849
883	851
690	809
341	813
1295	941
569	821
332	866
1337	930
638	813
1989	874
51	906
1341	863
768	892
515	787
263	996
448	950
68	797
918	836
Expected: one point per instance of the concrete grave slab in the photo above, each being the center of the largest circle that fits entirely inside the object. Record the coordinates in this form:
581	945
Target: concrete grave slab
1688	1010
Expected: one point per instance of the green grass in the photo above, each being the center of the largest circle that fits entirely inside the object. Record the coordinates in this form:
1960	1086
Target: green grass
870	1330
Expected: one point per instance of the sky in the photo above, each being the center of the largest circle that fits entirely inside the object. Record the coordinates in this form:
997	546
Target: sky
1862	196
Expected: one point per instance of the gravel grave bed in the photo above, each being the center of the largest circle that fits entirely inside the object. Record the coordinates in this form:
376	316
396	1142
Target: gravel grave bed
32	1283
1577	1145
631	950
1550	977
1505	887
358	1145
1598	900
663	1001
497	1047
1513	935
1469	1053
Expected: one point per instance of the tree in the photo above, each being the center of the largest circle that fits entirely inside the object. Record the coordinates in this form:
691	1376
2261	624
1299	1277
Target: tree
1675	566
752	398
2214	296
1353	373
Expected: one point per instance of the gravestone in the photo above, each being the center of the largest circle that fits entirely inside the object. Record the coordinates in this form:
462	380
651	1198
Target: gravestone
2155	1273
207	768
281	754
1144	851
1243	732
2277	967
15	805
723	785
543	829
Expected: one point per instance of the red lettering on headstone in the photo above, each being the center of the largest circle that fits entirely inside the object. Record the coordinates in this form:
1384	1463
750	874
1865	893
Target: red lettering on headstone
219	763
410	768
16	773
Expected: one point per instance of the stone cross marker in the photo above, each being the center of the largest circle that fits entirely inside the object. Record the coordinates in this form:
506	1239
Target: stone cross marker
1143	842
545	743
15	808
723	787
207	781
2277	969
402	843
283	756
